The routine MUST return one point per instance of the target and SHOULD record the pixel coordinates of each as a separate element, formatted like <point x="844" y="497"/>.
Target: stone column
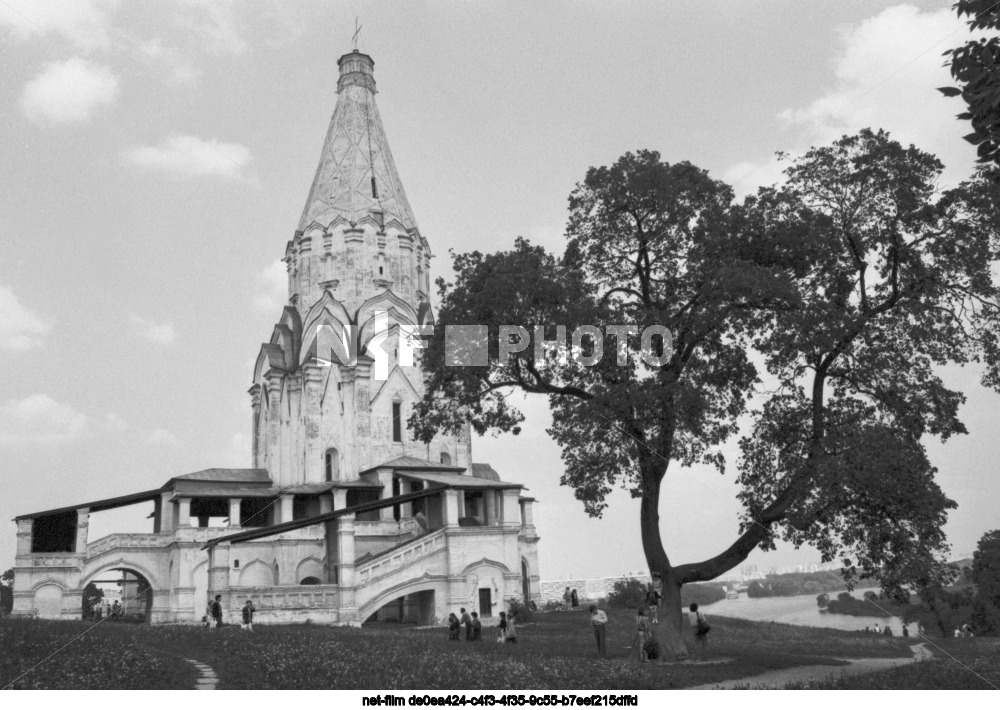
<point x="24" y="537"/>
<point x="405" y="509"/>
<point x="166" y="513"/>
<point x="489" y="508"/>
<point x="255" y="404"/>
<point x="82" y="525"/>
<point x="311" y="395"/>
<point x="218" y="575"/>
<point x="451" y="497"/>
<point x="325" y="503"/>
<point x="510" y="518"/>
<point x="184" y="513"/>
<point x="234" y="512"/>
<point x="287" y="508"/>
<point x="345" y="568"/>
<point x="385" y="476"/>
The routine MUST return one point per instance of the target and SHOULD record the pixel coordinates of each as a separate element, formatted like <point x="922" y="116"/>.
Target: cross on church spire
<point x="357" y="31"/>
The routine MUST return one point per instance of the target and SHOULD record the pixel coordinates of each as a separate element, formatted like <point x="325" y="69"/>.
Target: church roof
<point x="356" y="174"/>
<point x="454" y="480"/>
<point x="485" y="471"/>
<point x="225" y="475"/>
<point x="412" y="463"/>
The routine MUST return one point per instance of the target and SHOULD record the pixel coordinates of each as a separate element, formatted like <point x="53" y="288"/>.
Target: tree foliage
<point x="976" y="67"/>
<point x="7" y="591"/>
<point x="986" y="575"/>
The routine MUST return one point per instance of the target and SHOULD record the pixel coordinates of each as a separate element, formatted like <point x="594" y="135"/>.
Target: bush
<point x="520" y="611"/>
<point x="628" y="593"/>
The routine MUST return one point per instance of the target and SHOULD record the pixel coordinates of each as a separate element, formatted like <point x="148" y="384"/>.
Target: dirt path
<point x="207" y="680"/>
<point x="779" y="678"/>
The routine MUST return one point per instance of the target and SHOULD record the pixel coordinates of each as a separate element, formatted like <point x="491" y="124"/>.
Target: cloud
<point x="151" y="330"/>
<point x="39" y="419"/>
<point x="162" y="437"/>
<point x="69" y="91"/>
<point x="887" y="71"/>
<point x="178" y="64"/>
<point x="193" y="156"/>
<point x="272" y="283"/>
<point x="85" y="23"/>
<point x="20" y="327"/>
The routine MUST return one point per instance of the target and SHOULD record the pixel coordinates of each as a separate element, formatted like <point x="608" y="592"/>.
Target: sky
<point x="155" y="159"/>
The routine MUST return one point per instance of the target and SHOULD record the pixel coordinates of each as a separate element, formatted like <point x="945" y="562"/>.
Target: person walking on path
<point x="599" y="620"/>
<point x="652" y="603"/>
<point x="477" y="627"/>
<point x="248" y="611"/>
<point x="217" y="611"/>
<point x="701" y="628"/>
<point x="574" y="600"/>
<point x="467" y="623"/>
<point x="454" y="627"/>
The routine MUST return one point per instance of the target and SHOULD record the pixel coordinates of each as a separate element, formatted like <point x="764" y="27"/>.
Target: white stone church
<point x="344" y="516"/>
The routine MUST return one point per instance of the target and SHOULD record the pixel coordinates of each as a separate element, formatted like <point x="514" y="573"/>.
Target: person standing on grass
<point x="699" y="625"/>
<point x="502" y="627"/>
<point x="642" y="636"/>
<point x="217" y="611"/>
<point x="511" y="629"/>
<point x="599" y="620"/>
<point x="467" y="623"/>
<point x="652" y="603"/>
<point x="454" y="627"/>
<point x="248" y="611"/>
<point x="567" y="598"/>
<point x="209" y="614"/>
<point x="574" y="600"/>
<point x="477" y="627"/>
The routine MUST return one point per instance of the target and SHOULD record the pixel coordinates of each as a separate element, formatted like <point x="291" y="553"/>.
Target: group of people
<point x="103" y="610"/>
<point x="887" y="631"/>
<point x="473" y="626"/>
<point x="644" y="646"/>
<point x="571" y="601"/>
<point x="213" y="614"/>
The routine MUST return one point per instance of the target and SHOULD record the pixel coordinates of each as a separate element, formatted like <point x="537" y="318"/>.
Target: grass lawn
<point x="555" y="652"/>
<point x="958" y="664"/>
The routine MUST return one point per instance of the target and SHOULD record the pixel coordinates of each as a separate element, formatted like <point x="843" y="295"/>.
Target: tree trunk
<point x="669" y="630"/>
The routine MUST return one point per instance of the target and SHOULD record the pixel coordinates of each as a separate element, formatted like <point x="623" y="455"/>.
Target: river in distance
<point x="800" y="610"/>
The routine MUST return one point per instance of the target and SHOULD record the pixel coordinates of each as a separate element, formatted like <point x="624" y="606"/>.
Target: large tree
<point x="852" y="281"/>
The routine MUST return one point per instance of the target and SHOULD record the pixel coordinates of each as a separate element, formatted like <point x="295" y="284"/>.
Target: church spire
<point x="356" y="176"/>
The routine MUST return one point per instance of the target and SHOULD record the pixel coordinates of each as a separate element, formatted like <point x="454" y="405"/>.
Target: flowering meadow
<point x="556" y="651"/>
<point x="66" y="655"/>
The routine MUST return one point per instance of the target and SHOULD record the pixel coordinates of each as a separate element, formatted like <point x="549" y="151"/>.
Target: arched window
<point x="445" y="458"/>
<point x="310" y="580"/>
<point x="332" y="465"/>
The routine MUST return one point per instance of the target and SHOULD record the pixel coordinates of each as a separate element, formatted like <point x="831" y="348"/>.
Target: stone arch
<point x="445" y="458"/>
<point x="257" y="574"/>
<point x="309" y="567"/>
<point x="137" y="570"/>
<point x="125" y="565"/>
<point x="437" y="584"/>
